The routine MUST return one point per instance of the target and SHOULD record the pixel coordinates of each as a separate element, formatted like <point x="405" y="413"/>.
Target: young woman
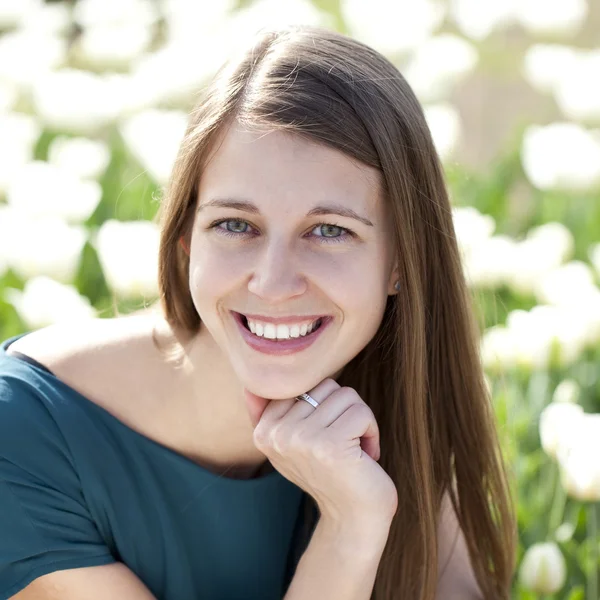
<point x="304" y="414"/>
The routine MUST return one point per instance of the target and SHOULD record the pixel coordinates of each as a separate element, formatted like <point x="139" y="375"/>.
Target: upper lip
<point x="282" y="320"/>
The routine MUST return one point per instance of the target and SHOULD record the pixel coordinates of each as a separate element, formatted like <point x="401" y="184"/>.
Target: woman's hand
<point x="330" y="452"/>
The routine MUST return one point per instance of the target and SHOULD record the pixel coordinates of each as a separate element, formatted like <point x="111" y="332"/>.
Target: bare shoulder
<point x="103" y="359"/>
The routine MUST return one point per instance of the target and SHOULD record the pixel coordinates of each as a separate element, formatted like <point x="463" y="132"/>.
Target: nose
<point x="275" y="277"/>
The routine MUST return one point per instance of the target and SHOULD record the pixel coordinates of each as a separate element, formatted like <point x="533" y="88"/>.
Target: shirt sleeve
<point x="45" y="524"/>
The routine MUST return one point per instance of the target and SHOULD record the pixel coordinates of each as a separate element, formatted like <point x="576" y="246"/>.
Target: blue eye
<point x="239" y="224"/>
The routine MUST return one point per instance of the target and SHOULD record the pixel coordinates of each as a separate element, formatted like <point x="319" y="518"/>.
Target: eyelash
<point x="215" y="225"/>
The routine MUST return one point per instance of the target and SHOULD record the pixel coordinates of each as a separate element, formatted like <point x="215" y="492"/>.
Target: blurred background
<point x="94" y="97"/>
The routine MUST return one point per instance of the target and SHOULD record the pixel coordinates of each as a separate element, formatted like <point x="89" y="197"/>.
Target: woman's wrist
<point x="359" y="538"/>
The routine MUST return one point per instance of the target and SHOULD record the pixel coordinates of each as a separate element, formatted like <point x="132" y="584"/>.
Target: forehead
<point x="264" y="165"/>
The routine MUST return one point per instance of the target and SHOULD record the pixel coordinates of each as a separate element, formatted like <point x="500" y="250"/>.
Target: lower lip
<point x="281" y="347"/>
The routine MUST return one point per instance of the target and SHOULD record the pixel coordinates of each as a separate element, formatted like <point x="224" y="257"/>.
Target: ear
<point x="393" y="278"/>
<point x="184" y="245"/>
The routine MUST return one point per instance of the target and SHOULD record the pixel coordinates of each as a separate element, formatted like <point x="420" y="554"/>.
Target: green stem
<point x="559" y="501"/>
<point x="592" y="528"/>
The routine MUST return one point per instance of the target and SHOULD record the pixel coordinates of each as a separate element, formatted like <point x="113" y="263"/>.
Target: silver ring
<point x="309" y="399"/>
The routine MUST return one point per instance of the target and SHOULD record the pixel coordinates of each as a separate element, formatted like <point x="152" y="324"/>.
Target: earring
<point x="397" y="286"/>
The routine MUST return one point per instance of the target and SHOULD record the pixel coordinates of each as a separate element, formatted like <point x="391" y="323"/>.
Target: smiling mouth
<point x="316" y="327"/>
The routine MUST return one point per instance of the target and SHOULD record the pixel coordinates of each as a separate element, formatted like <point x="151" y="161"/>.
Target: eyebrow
<point x="329" y="209"/>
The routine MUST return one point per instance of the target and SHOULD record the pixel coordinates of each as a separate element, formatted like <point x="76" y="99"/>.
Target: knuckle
<point x="324" y="450"/>
<point x="261" y="437"/>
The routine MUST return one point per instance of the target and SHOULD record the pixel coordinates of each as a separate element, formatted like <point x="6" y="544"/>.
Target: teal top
<point x="80" y="488"/>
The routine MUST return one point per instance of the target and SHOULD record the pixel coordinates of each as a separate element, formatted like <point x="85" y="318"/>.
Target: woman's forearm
<point x="338" y="563"/>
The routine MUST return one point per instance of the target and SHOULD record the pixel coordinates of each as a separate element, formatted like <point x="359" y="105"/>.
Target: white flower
<point x="26" y="55"/>
<point x="561" y="156"/>
<point x="559" y="422"/>
<point x="492" y="263"/>
<point x="40" y="189"/>
<point x="75" y="101"/>
<point x="46" y="246"/>
<point x="184" y="19"/>
<point x="392" y="26"/>
<point x="498" y="348"/>
<point x="444" y="122"/>
<point x="153" y="137"/>
<point x="543" y="568"/>
<point x="14" y="12"/>
<point x="478" y="18"/>
<point x="92" y="13"/>
<point x="567" y="391"/>
<point x="48" y="18"/>
<point x="545" y="65"/>
<point x="557" y="17"/>
<point x="575" y="92"/>
<point x="471" y="227"/>
<point x="578" y="460"/>
<point x="567" y="284"/>
<point x="128" y="253"/>
<point x="20" y="133"/>
<point x="82" y="157"/>
<point x="530" y="338"/>
<point x="439" y="63"/>
<point x="545" y="248"/>
<point x="45" y="302"/>
<point x="112" y="46"/>
<point x="8" y="95"/>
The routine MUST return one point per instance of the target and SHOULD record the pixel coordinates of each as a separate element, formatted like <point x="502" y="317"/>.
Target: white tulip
<point x="40" y="189"/>
<point x="184" y="19"/>
<point x="128" y="253"/>
<point x="543" y="568"/>
<point x="561" y="156"/>
<point x="91" y="13"/>
<point x="392" y="26"/>
<point x="8" y="96"/>
<point x="111" y="46"/>
<point x="28" y="54"/>
<point x="477" y="19"/>
<point x="557" y="17"/>
<point x="438" y="64"/>
<point x="46" y="246"/>
<point x="14" y="12"/>
<point x="567" y="284"/>
<point x="48" y="18"/>
<point x="84" y="158"/>
<point x="19" y="135"/>
<point x="44" y="302"/>
<point x="546" y="65"/>
<point x="472" y="228"/>
<point x="498" y="349"/>
<point x="578" y="460"/>
<point x="153" y="137"/>
<point x="493" y="262"/>
<point x="575" y="92"/>
<point x="559" y="422"/>
<point x="545" y="248"/>
<point x="594" y="253"/>
<point x="567" y="391"/>
<point x="444" y="123"/>
<point x="76" y="101"/>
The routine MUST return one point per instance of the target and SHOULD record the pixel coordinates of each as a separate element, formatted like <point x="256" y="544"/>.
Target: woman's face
<point x="273" y="259"/>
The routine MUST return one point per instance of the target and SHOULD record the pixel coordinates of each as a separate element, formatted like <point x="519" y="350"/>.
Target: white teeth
<point x="280" y="332"/>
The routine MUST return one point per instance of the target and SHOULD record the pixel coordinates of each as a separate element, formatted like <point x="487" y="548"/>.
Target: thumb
<point x="255" y="406"/>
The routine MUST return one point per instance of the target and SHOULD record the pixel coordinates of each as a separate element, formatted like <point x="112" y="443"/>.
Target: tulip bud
<point x="543" y="569"/>
<point x="559" y="422"/>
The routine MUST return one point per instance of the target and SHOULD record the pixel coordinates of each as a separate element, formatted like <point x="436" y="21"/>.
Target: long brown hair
<point x="421" y="374"/>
